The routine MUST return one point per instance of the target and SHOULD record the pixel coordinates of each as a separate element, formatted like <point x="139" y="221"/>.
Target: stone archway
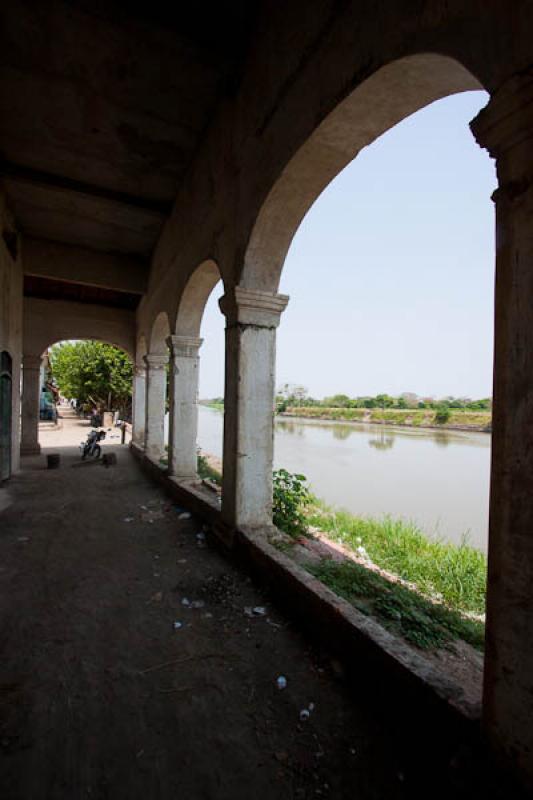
<point x="184" y="370"/>
<point x="156" y="360"/>
<point x="391" y="94"/>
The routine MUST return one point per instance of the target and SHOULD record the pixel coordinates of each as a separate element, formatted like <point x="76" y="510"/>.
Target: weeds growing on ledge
<point x="423" y="623"/>
<point x="291" y="497"/>
<point x="205" y="470"/>
<point x="450" y="580"/>
<point x="454" y="575"/>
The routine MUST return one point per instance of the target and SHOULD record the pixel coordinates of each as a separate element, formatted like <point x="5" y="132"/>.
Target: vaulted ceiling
<point x="102" y="107"/>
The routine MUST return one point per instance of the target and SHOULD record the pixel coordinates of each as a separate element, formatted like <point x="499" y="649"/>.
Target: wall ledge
<point x="367" y="649"/>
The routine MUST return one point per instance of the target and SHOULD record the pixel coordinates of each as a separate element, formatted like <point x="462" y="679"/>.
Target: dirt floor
<point x="130" y="667"/>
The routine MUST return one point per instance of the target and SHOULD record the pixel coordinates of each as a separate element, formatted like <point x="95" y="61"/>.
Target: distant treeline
<point x="297" y="397"/>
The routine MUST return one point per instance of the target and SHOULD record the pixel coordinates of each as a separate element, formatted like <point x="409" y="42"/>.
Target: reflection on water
<point x="442" y="438"/>
<point x="383" y="442"/>
<point x="439" y="479"/>
<point x="294" y="428"/>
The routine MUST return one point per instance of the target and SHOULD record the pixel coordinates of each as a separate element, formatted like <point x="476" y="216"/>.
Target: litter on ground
<point x="256" y="611"/>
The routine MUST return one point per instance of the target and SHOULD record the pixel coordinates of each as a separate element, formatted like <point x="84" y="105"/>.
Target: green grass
<point x="207" y="471"/>
<point x="421" y="622"/>
<point x="218" y="406"/>
<point x="480" y="419"/>
<point x="394" y="416"/>
<point x="454" y="575"/>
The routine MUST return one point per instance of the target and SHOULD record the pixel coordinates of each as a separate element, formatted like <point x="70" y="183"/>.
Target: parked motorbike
<point x="91" y="448"/>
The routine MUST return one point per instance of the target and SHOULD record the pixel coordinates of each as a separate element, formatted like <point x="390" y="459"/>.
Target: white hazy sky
<point x="391" y="273"/>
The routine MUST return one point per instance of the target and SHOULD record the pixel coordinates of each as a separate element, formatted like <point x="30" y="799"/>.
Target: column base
<point x="30" y="449"/>
<point x="185" y="478"/>
<point x="157" y="457"/>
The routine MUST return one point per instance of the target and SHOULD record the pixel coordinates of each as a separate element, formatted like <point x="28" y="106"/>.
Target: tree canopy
<point x="92" y="372"/>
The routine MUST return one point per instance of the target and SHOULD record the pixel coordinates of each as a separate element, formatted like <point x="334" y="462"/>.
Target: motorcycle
<point x="91" y="447"/>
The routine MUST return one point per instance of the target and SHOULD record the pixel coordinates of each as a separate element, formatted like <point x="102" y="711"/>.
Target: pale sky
<point x="391" y="273"/>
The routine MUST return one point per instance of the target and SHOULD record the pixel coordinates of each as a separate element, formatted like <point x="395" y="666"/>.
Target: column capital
<point x="505" y="128"/>
<point x="139" y="370"/>
<point x="31" y="362"/>
<point x="155" y="361"/>
<point x="252" y="307"/>
<point x="184" y="346"/>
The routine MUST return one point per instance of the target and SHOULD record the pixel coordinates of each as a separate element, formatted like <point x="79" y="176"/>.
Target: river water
<point x="438" y="479"/>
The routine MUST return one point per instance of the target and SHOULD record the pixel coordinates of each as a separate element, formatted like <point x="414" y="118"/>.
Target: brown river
<point x="437" y="479"/>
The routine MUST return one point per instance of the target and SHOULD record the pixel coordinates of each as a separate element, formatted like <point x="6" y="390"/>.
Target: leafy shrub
<point x="422" y="622"/>
<point x="205" y="470"/>
<point x="291" y="496"/>
<point x="442" y="415"/>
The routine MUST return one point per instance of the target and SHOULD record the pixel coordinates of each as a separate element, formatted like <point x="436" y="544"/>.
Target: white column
<point x="183" y="422"/>
<point x="251" y="321"/>
<point x="156" y="390"/>
<point x="30" y="405"/>
<point x="139" y="404"/>
<point x="505" y="128"/>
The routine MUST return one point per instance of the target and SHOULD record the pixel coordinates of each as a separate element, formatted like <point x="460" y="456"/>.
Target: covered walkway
<point x="100" y="696"/>
<point x="96" y="564"/>
<point x="147" y="153"/>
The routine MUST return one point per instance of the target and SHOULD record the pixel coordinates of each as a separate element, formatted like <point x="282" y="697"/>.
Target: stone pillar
<point x="139" y="404"/>
<point x="251" y="321"/>
<point x="505" y="129"/>
<point x="156" y="390"/>
<point x="29" y="444"/>
<point x="183" y="422"/>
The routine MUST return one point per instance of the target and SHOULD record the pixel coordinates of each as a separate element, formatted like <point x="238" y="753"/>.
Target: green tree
<point x="442" y="414"/>
<point x="384" y="400"/>
<point x="93" y="372"/>
<point x="337" y="401"/>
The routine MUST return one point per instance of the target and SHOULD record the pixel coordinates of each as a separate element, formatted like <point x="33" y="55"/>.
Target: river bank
<point x="438" y="479"/>
<point x="428" y="592"/>
<point x="442" y="572"/>
<point x="478" y="421"/>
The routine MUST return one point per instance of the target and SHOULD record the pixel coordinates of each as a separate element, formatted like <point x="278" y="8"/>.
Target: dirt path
<point x="102" y="697"/>
<point x="70" y="430"/>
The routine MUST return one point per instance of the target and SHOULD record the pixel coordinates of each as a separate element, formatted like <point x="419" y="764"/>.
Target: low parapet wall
<point x="373" y="658"/>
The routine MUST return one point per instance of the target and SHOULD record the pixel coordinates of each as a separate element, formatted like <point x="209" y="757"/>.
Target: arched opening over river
<point x="390" y="275"/>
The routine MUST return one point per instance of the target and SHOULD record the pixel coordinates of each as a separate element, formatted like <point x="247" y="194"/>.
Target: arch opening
<point x="160" y="331"/>
<point x="199" y="354"/>
<point x="80" y="384"/>
<point x="393" y="93"/>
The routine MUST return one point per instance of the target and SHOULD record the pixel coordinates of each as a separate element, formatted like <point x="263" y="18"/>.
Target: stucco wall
<point x="77" y="264"/>
<point x="305" y="59"/>
<point x="11" y="318"/>
<point x="49" y="321"/>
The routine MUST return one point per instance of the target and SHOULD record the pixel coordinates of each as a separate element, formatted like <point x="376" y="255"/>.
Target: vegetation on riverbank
<point x="441" y="586"/>
<point x="206" y="471"/>
<point x="430" y="416"/>
<point x="422" y="418"/>
<point x="428" y="591"/>
<point x="420" y="621"/>
<point x="448" y="573"/>
<point x="217" y="403"/>
<point x="290" y="395"/>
